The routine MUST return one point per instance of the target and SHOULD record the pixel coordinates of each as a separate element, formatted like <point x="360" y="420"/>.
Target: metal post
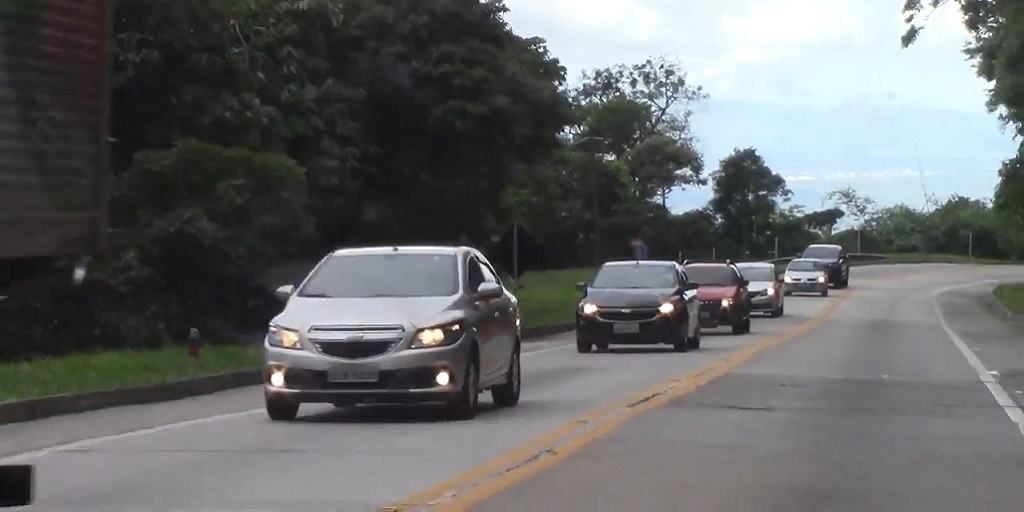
<point x="970" y="245"/>
<point x="714" y="255"/>
<point x="597" y="229"/>
<point x="858" y="241"/>
<point x="776" y="247"/>
<point x="515" y="249"/>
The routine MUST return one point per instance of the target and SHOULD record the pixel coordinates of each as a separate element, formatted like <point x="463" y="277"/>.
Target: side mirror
<point x="744" y="282"/>
<point x="690" y="286"/>
<point x="581" y="286"/>
<point x="285" y="292"/>
<point x="488" y="291"/>
<point x="17" y="485"/>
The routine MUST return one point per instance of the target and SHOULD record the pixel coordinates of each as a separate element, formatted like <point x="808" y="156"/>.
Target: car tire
<point x="787" y="294"/>
<point x="583" y="347"/>
<point x="824" y="293"/>
<point x="464" y="406"/>
<point x="746" y="324"/>
<point x="695" y="340"/>
<point x="682" y="342"/>
<point x="779" y="312"/>
<point x="737" y="327"/>
<point x="507" y="394"/>
<point x="601" y="347"/>
<point x="279" y="409"/>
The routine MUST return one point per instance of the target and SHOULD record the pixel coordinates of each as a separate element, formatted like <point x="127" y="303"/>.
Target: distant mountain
<point x="878" y="149"/>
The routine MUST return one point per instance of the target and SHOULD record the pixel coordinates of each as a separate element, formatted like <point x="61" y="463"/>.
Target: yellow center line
<point x="507" y="469"/>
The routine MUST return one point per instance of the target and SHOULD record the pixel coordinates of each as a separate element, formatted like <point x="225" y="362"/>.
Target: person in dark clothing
<point x="639" y="247"/>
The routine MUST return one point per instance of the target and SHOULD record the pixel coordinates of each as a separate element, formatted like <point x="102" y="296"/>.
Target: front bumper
<point x="714" y="314"/>
<point x="806" y="286"/>
<point x="765" y="302"/>
<point x="638" y="326"/>
<point x="405" y="376"/>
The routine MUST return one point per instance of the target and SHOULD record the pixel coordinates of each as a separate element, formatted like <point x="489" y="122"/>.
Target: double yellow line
<point x="489" y="479"/>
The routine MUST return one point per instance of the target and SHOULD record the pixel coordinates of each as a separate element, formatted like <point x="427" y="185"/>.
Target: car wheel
<point x="787" y="294"/>
<point x="824" y="293"/>
<point x="601" y="347"/>
<point x="507" y="394"/>
<point x="695" y="340"/>
<point x="779" y="312"/>
<point x="746" y="324"/>
<point x="583" y="347"/>
<point x="281" y="410"/>
<point x="464" y="406"/>
<point x="737" y="327"/>
<point x="681" y="343"/>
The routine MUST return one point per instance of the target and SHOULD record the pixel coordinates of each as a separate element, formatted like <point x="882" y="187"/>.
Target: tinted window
<point x="385" y="275"/>
<point x="714" y="275"/>
<point x="804" y="266"/>
<point x="820" y="252"/>
<point x="758" y="273"/>
<point x="636" y="276"/>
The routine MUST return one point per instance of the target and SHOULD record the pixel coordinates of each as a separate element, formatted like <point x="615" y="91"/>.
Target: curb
<point x="58" y="405"/>
<point x="990" y="302"/>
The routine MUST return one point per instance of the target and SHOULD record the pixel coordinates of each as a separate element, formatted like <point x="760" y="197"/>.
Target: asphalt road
<point x="859" y="401"/>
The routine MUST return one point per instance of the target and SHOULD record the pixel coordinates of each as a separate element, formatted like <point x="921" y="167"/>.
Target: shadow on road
<point x="392" y="414"/>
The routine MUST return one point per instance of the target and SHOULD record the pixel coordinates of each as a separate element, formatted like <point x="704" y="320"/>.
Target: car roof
<point x="754" y="264"/>
<point x="812" y="260"/>
<point x="407" y="249"/>
<point x="619" y="263"/>
<point x="830" y="246"/>
<point x="710" y="264"/>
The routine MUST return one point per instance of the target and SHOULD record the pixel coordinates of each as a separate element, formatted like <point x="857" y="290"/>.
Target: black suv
<point x="835" y="261"/>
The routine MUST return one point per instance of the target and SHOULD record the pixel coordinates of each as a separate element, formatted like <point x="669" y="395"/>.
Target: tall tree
<point x="855" y="205"/>
<point x="641" y="112"/>
<point x="748" y="194"/>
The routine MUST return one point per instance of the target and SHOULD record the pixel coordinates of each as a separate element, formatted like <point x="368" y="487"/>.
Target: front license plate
<point x="626" y="328"/>
<point x="704" y="315"/>
<point x="350" y="374"/>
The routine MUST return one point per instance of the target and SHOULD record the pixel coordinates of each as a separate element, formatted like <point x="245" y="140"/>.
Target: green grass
<point x="99" y="371"/>
<point x="1011" y="296"/>
<point x="550" y="297"/>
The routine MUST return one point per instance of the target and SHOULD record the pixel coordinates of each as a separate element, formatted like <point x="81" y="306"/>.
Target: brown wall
<point x="54" y="69"/>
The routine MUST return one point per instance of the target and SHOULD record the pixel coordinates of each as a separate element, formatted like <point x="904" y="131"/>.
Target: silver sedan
<point x="390" y="325"/>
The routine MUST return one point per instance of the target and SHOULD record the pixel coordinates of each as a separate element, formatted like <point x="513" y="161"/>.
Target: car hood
<point x="804" y="274"/>
<point x="627" y="297"/>
<point x="302" y="313"/>
<point x="712" y="292"/>
<point x="759" y="286"/>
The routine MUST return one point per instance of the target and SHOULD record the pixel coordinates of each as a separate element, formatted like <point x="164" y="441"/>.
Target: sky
<point x="821" y="88"/>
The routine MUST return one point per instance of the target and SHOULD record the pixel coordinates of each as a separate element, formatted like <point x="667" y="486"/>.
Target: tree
<point x="641" y="113"/>
<point x="824" y="220"/>
<point x="747" y="196"/>
<point x="852" y="203"/>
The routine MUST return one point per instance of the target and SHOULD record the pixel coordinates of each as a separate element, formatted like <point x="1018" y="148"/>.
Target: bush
<point x="197" y="224"/>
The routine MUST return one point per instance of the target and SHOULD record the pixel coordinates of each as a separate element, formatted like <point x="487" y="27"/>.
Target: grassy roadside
<point x="98" y="371"/>
<point x="1011" y="296"/>
<point x="546" y="298"/>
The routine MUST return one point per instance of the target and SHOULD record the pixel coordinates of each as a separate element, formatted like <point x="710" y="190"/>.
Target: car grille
<point x="355" y="341"/>
<point x="354" y="349"/>
<point x="627" y="314"/>
<point x="759" y="293"/>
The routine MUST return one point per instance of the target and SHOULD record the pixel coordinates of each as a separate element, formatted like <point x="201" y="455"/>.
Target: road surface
<point x="865" y="400"/>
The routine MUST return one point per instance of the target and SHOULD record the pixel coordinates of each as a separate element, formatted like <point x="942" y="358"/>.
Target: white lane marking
<point x="984" y="375"/>
<point x="85" y="443"/>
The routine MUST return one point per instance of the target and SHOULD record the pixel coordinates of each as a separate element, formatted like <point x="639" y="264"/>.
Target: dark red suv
<point x="723" y="295"/>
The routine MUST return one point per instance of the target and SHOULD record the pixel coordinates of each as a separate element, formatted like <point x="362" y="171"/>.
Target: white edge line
<point x="85" y="443"/>
<point x="1009" y="406"/>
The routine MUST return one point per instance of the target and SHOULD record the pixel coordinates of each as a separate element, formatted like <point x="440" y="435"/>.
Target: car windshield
<point x="384" y="275"/>
<point x="713" y="275"/>
<point x="804" y="266"/>
<point x="822" y="252"/>
<point x="635" y="276"/>
<point x="758" y="273"/>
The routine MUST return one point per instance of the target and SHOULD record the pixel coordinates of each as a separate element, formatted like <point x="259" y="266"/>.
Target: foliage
<point x="747" y="198"/>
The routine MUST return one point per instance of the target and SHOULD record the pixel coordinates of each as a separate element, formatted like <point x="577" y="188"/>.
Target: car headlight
<point x="666" y="308"/>
<point x="770" y="291"/>
<point x="439" y="336"/>
<point x="726" y="303"/>
<point x="821" y="279"/>
<point x="278" y="336"/>
<point x="588" y="308"/>
<point x="787" y="279"/>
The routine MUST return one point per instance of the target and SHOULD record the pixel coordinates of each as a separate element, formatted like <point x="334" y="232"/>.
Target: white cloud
<point x="883" y="176"/>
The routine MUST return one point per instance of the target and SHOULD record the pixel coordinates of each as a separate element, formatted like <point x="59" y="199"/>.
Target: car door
<point x="485" y="322"/>
<point x="508" y="328"/>
<point x="494" y="337"/>
<point x="689" y="299"/>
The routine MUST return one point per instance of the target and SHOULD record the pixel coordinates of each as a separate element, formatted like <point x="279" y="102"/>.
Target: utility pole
<point x="858" y="240"/>
<point x="970" y="245"/>
<point x="515" y="249"/>
<point x="776" y="247"/>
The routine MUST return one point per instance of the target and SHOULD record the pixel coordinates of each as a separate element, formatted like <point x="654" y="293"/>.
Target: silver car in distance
<point x="394" y="325"/>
